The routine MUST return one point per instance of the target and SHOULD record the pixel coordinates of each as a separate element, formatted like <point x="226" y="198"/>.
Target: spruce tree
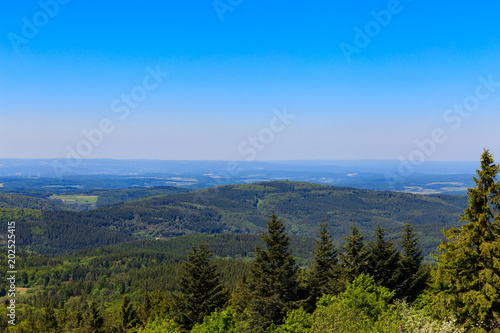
<point x="49" y="320"/>
<point x="272" y="286"/>
<point x="3" y="323"/>
<point x="161" y="305"/>
<point x="93" y="321"/>
<point x="145" y="308"/>
<point x="467" y="282"/>
<point x="324" y="274"/>
<point x="354" y="259"/>
<point x="128" y="317"/>
<point x="202" y="290"/>
<point x="412" y="274"/>
<point x="383" y="259"/>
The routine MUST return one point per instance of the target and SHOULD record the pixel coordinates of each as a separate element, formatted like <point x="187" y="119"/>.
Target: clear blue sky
<point x="225" y="78"/>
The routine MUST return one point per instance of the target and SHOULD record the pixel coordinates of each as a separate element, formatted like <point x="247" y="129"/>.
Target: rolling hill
<point x="245" y="209"/>
<point x="28" y="202"/>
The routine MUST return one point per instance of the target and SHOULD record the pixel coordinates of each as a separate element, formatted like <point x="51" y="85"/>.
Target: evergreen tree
<point x="93" y="321"/>
<point x="354" y="259"/>
<point x="128" y="317"/>
<point x="146" y="307"/>
<point x="383" y="259"/>
<point x="161" y="305"/>
<point x="3" y="323"/>
<point x="202" y="290"/>
<point x="273" y="287"/>
<point x="30" y="324"/>
<point x="468" y="275"/>
<point x="412" y="274"/>
<point x="49" y="320"/>
<point x="324" y="274"/>
<point x="240" y="297"/>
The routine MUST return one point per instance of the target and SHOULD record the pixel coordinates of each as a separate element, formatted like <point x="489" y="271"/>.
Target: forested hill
<point x="302" y="206"/>
<point x="28" y="202"/>
<point x="242" y="209"/>
<point x="110" y="197"/>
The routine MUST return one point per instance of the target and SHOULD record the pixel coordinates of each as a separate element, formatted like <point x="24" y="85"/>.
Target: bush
<point x="165" y="325"/>
<point x="415" y="321"/>
<point x="296" y="321"/>
<point x="218" y="322"/>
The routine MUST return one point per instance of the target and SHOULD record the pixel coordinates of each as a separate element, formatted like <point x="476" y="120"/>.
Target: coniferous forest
<point x="381" y="278"/>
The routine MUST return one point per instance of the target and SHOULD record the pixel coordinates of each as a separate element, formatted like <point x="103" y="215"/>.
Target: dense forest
<point x="371" y="277"/>
<point x="242" y="209"/>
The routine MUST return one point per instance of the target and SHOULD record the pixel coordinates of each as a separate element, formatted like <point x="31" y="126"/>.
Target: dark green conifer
<point x="93" y="319"/>
<point x="467" y="282"/>
<point x="354" y="259"/>
<point x="128" y="317"/>
<point x="383" y="259"/>
<point x="145" y="307"/>
<point x="325" y="271"/>
<point x="412" y="274"/>
<point x="201" y="287"/>
<point x="49" y="321"/>
<point x="273" y="286"/>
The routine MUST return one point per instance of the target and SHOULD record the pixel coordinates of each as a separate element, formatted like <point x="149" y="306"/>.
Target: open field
<point x="77" y="200"/>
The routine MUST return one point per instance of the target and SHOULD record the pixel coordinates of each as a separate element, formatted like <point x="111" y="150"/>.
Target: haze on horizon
<point x="249" y="80"/>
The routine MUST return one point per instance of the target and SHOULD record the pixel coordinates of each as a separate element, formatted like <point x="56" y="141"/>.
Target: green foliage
<point x="412" y="274"/>
<point x="28" y="202"/>
<point x="383" y="259"/>
<point x="93" y="319"/>
<point x="161" y="325"/>
<point x="272" y="288"/>
<point x="271" y="291"/>
<point x="237" y="246"/>
<point x="354" y="258"/>
<point x="324" y="274"/>
<point x="233" y="209"/>
<point x="363" y="307"/>
<point x="48" y="321"/>
<point x="222" y="321"/>
<point x="467" y="283"/>
<point x="128" y="317"/>
<point x="364" y="295"/>
<point x="110" y="197"/>
<point x="296" y="321"/>
<point x="415" y="321"/>
<point x="201" y="287"/>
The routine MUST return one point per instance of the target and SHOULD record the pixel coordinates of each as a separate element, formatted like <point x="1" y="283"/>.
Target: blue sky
<point x="234" y="65"/>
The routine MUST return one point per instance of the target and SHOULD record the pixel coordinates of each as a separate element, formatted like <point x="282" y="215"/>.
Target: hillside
<point x="110" y="197"/>
<point x="28" y="202"/>
<point x="235" y="246"/>
<point x="245" y="209"/>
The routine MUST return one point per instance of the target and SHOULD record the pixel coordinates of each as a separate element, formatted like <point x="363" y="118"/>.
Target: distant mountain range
<point x="57" y="174"/>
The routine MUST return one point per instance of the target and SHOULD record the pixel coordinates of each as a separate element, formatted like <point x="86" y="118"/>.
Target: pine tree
<point x="145" y="308"/>
<point x="3" y="323"/>
<point x="49" y="320"/>
<point x="468" y="276"/>
<point x="273" y="286"/>
<point x="383" y="259"/>
<point x="239" y="297"/>
<point x="93" y="321"/>
<point x="354" y="259"/>
<point x="201" y="287"/>
<point x="161" y="305"/>
<point x="325" y="272"/>
<point x="128" y="317"/>
<point x="412" y="274"/>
